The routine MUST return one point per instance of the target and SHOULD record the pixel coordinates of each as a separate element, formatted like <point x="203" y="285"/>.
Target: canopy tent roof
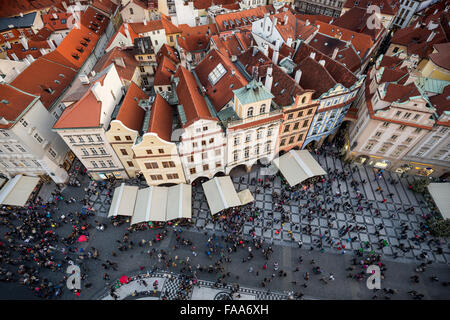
<point x="245" y="196"/>
<point x="297" y="166"/>
<point x="221" y="194"/>
<point x="123" y="201"/>
<point x="440" y="192"/>
<point x="17" y="190"/>
<point x="163" y="203"/>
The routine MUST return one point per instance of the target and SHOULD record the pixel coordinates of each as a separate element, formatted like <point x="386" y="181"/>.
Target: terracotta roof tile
<point x="313" y="18"/>
<point x="388" y="7"/>
<point x="194" y="104"/>
<point x="152" y="25"/>
<point x="442" y="57"/>
<point x="400" y="93"/>
<point x="168" y="52"/>
<point x="258" y="12"/>
<point x="169" y="27"/>
<point x="195" y="38"/>
<point x="116" y="56"/>
<point x="12" y="103"/>
<point x="133" y="35"/>
<point x="60" y="23"/>
<point x="165" y="70"/>
<point x="130" y="113"/>
<point x="33" y="49"/>
<point x="355" y="20"/>
<point x="442" y="101"/>
<point x="221" y="92"/>
<point x="205" y="4"/>
<point x="12" y="8"/>
<point x="161" y="118"/>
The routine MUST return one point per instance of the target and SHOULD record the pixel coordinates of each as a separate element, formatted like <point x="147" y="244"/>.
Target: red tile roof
<point x="133" y="35"/>
<point x="165" y="70"/>
<point x="442" y="57"/>
<point x="125" y="73"/>
<point x="222" y="91"/>
<point x="169" y="52"/>
<point x="107" y="6"/>
<point x="12" y="8"/>
<point x="42" y="34"/>
<point x="355" y="20"/>
<point x="258" y="12"/>
<point x="205" y="4"/>
<point x="388" y="7"/>
<point x="194" y="104"/>
<point x="390" y="62"/>
<point x="130" y="113"/>
<point x="43" y="78"/>
<point x="33" y="49"/>
<point x="12" y="103"/>
<point x="161" y="118"/>
<point x="60" y="23"/>
<point x="400" y="93"/>
<point x="442" y="103"/>
<point x="152" y="25"/>
<point x="195" y="38"/>
<point x="313" y="18"/>
<point x="169" y="27"/>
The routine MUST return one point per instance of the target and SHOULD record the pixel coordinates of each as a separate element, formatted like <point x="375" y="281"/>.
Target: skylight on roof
<point x="216" y="74"/>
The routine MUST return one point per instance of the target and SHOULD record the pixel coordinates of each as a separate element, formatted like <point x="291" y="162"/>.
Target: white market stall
<point x="123" y="201"/>
<point x="163" y="204"/>
<point x="221" y="194"/>
<point x="298" y="165"/>
<point x="440" y="192"/>
<point x="17" y="191"/>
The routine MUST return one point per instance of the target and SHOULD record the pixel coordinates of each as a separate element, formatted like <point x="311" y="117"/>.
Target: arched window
<point x="303" y="100"/>
<point x="250" y="112"/>
<point x="262" y="109"/>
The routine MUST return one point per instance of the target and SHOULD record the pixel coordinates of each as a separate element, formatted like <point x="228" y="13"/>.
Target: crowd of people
<point x="33" y="243"/>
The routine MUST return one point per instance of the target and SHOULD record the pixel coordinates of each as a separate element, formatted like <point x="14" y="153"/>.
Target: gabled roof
<point x="130" y="113"/>
<point x="286" y="24"/>
<point x="205" y="4"/>
<point x="165" y="70"/>
<point x="33" y="49"/>
<point x="254" y="91"/>
<point x="315" y="76"/>
<point x="168" y="52"/>
<point x="442" y="102"/>
<point x="46" y="79"/>
<point x="12" y="103"/>
<point x="152" y="25"/>
<point x="395" y="75"/>
<point x="125" y="73"/>
<point x="10" y="8"/>
<point x="189" y="97"/>
<point x="105" y="6"/>
<point x="355" y="20"/>
<point x="442" y="57"/>
<point x="26" y="21"/>
<point x="169" y="27"/>
<point x="161" y="118"/>
<point x="43" y="34"/>
<point x="121" y="31"/>
<point x="195" y="38"/>
<point x="400" y="93"/>
<point x="60" y="23"/>
<point x="314" y="17"/>
<point x="223" y="19"/>
<point x="221" y="92"/>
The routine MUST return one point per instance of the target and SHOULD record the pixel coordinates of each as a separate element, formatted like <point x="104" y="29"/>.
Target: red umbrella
<point x="82" y="238"/>
<point x="123" y="279"/>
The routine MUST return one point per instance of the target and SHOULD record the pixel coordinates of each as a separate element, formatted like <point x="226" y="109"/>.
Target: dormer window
<point x="80" y="49"/>
<point x="76" y="56"/>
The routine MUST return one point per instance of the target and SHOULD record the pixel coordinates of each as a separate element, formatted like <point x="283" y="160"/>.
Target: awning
<point x="297" y="166"/>
<point x="123" y="201"/>
<point x="163" y="204"/>
<point x="17" y="191"/>
<point x="221" y="194"/>
<point x="245" y="196"/>
<point x="440" y="192"/>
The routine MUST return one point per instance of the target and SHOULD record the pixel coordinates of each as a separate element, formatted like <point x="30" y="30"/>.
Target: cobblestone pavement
<point x="168" y="288"/>
<point x="268" y="227"/>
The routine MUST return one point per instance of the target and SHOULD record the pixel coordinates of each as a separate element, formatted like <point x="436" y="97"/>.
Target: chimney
<point x="51" y="44"/>
<point x="298" y="75"/>
<point x="21" y="15"/>
<point x="255" y="51"/>
<point x="55" y="16"/>
<point x="275" y="57"/>
<point x="145" y="22"/>
<point x="289" y="42"/>
<point x="269" y="79"/>
<point x="24" y="42"/>
<point x="84" y="79"/>
<point x="120" y="62"/>
<point x="322" y="63"/>
<point x="30" y="58"/>
<point x="42" y="50"/>
<point x="312" y="55"/>
<point x="307" y="22"/>
<point x="286" y="19"/>
<point x="335" y="52"/>
<point x="266" y="49"/>
<point x="127" y="31"/>
<point x="431" y="36"/>
<point x="277" y="44"/>
<point x="95" y="89"/>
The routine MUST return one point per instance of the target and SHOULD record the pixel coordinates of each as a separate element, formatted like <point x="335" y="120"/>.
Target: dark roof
<point x="17" y="22"/>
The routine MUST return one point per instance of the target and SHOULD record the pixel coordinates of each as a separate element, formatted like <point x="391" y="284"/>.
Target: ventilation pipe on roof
<point x="266" y="49"/>
<point x="24" y="42"/>
<point x="286" y="19"/>
<point x="55" y="16"/>
<point x="145" y="22"/>
<point x="255" y="51"/>
<point x="43" y="51"/>
<point x="274" y="24"/>
<point x="307" y="22"/>
<point x="127" y="31"/>
<point x="289" y="42"/>
<point x="275" y="57"/>
<point x="8" y="45"/>
<point x="95" y="90"/>
<point x="269" y="79"/>
<point x="335" y="52"/>
<point x="312" y="55"/>
<point x="51" y="44"/>
<point x="84" y="79"/>
<point x="277" y="44"/>
<point x="64" y="4"/>
<point x="298" y="75"/>
<point x="322" y="63"/>
<point x="431" y="36"/>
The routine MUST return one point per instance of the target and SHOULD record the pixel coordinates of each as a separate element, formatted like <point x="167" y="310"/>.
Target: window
<point x="310" y="111"/>
<point x="236" y="141"/>
<point x="172" y="176"/>
<point x="305" y="124"/>
<point x="300" y="137"/>
<point x="117" y="138"/>
<point x="18" y="146"/>
<point x="190" y="158"/>
<point x="235" y="155"/>
<point x="205" y="167"/>
<point x="398" y="113"/>
<point x="402" y="127"/>
<point x="416" y="117"/>
<point x="130" y="163"/>
<point x="161" y="151"/>
<point x="94" y="164"/>
<point x="203" y="143"/>
<point x="192" y="171"/>
<point x="93" y="151"/>
<point x="156" y="177"/>
<point x="194" y="144"/>
<point x="102" y="150"/>
<point x="24" y="123"/>
<point x="217" y="152"/>
<point x="296" y="126"/>
<point x="217" y="73"/>
<point x="248" y="138"/>
<point x="290" y="116"/>
<point x="71" y="140"/>
<point x="286" y="128"/>
<point x="407" y="115"/>
<point x="378" y="134"/>
<point x="418" y="130"/>
<point x="408" y="140"/>
<point x="204" y="155"/>
<point x="369" y="146"/>
<point x="38" y="138"/>
<point x="250" y="112"/>
<point x="124" y="152"/>
<point x="84" y="151"/>
<point x="262" y="109"/>
<point x="9" y="148"/>
<point x="151" y="165"/>
<point x="385" y="124"/>
<point x="131" y="11"/>
<point x="90" y="139"/>
<point x="128" y="138"/>
<point x="291" y="139"/>
<point x="218" y="164"/>
<point x="99" y="138"/>
<point x="269" y="132"/>
<point x="205" y="128"/>
<point x="149" y="151"/>
<point x="300" y="114"/>
<point x="268" y="146"/>
<point x="246" y="152"/>
<point x="283" y="142"/>
<point x="394" y="137"/>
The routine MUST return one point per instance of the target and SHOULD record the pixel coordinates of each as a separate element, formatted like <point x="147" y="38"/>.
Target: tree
<point x="440" y="227"/>
<point x="420" y="185"/>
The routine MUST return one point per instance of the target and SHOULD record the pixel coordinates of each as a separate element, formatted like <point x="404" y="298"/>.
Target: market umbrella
<point x="82" y="238"/>
<point x="123" y="279"/>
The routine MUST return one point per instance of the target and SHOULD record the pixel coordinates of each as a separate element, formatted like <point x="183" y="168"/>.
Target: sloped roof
<point x="442" y="57"/>
<point x="161" y="118"/>
<point x="10" y="8"/>
<point x="254" y="91"/>
<point x="165" y="70"/>
<point x="221" y="92"/>
<point x="169" y="52"/>
<point x="286" y="24"/>
<point x="169" y="27"/>
<point x="60" y="23"/>
<point x="314" y="17"/>
<point x="400" y="93"/>
<point x="442" y="102"/>
<point x="121" y="30"/>
<point x="258" y="12"/>
<point x="33" y="49"/>
<point x="355" y="20"/>
<point x="205" y="4"/>
<point x="127" y="55"/>
<point x="26" y="21"/>
<point x="195" y="38"/>
<point x="388" y="7"/>
<point x="12" y="103"/>
<point x="152" y="25"/>
<point x="189" y="97"/>
<point x="130" y="113"/>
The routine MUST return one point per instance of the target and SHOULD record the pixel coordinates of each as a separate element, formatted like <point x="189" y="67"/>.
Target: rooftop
<point x="254" y="91"/>
<point x="130" y="113"/>
<point x="161" y="118"/>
